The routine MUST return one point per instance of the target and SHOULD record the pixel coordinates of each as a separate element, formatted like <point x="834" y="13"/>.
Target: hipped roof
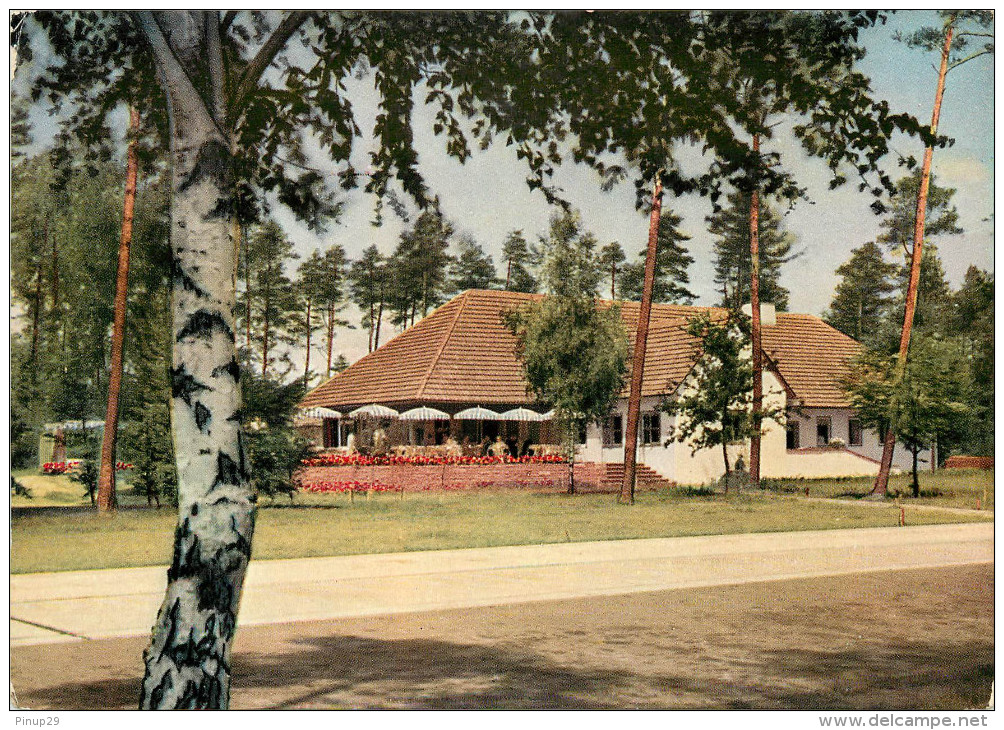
<point x="462" y="354"/>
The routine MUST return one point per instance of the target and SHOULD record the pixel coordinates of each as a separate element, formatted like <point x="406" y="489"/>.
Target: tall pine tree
<point x="671" y="263"/>
<point x="369" y="287"/>
<point x="519" y="263"/>
<point x="471" y="268"/>
<point x="420" y="268"/>
<point x="731" y="226"/>
<point x="861" y="301"/>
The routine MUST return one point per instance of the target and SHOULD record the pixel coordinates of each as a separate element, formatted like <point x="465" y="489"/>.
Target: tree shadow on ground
<point x="362" y="672"/>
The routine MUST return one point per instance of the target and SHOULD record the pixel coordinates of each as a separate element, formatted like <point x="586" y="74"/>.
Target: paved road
<point x="77" y="606"/>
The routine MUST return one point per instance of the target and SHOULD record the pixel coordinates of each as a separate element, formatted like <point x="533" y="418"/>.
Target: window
<point x="792" y="436"/>
<point x="822" y="430"/>
<point x="854" y="432"/>
<point x="613" y="433"/>
<point x="651" y="428"/>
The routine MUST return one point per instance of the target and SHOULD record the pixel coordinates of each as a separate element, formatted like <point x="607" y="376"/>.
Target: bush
<point x="88" y="476"/>
<point x="275" y="453"/>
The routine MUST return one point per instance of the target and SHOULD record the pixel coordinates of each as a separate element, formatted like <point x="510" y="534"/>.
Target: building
<point x="462" y="355"/>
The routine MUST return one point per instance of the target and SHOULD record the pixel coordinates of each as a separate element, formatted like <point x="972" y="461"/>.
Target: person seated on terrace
<point x="498" y="448"/>
<point x="379" y="441"/>
<point x="452" y="448"/>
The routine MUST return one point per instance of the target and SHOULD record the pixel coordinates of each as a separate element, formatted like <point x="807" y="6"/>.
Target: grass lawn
<point x="332" y="525"/>
<point x="49" y="490"/>
<point x="943" y="488"/>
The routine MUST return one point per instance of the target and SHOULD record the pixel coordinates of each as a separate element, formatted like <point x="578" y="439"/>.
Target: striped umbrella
<point x="424" y="413"/>
<point x="374" y="410"/>
<point x="476" y="414"/>
<point x="319" y="412"/>
<point x="521" y="414"/>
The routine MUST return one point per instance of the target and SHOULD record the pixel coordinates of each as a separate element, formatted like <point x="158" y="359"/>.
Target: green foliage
<point x="269" y="401"/>
<point x="574" y="357"/>
<point x="519" y="263"/>
<point x="268" y="306"/>
<point x="471" y="268"/>
<point x="370" y="285"/>
<point x="419" y="268"/>
<point x="87" y="475"/>
<point x="145" y="442"/>
<point x="972" y="320"/>
<point x="66" y="220"/>
<point x="940" y="219"/>
<point x="275" y="454"/>
<point x="973" y="35"/>
<point x="861" y="300"/>
<point x="570" y="268"/>
<point x="671" y="263"/>
<point x="274" y="448"/>
<point x="610" y="262"/>
<point x="926" y="401"/>
<point x="320" y="288"/>
<point x="733" y="263"/>
<point x="713" y="406"/>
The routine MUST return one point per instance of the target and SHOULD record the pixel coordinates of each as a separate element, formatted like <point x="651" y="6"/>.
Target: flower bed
<point x="356" y="486"/>
<point x="61" y="467"/>
<point x="387" y="460"/>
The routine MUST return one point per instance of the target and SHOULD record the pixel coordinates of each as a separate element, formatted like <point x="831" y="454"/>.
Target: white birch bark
<point x="188" y="661"/>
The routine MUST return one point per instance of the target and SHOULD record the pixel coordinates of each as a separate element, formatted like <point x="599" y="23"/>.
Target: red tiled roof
<point x="462" y="354"/>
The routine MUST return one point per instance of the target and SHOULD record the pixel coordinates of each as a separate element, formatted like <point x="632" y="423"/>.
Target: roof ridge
<point x="442" y="345"/>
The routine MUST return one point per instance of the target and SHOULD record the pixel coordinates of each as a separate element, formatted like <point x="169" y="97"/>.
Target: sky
<point x="488" y="197"/>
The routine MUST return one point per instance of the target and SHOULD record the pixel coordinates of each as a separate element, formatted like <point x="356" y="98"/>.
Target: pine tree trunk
<point x="55" y="274"/>
<point x="372" y="327"/>
<point x="376" y="337"/>
<point x="725" y="458"/>
<point x="106" y="477"/>
<point x="916" y="479"/>
<point x="331" y="334"/>
<point x="188" y="661"/>
<point x="306" y="364"/>
<point x="36" y="314"/>
<point x="640" y="345"/>
<point x="247" y="301"/>
<point x="508" y="273"/>
<point x="266" y="308"/>
<point x="755" y="325"/>
<point x="882" y="480"/>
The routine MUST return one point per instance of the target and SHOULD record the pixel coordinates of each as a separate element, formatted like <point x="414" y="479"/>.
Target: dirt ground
<point x="919" y="639"/>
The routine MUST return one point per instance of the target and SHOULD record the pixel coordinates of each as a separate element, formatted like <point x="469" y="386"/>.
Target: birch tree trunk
<point x="188" y="661"/>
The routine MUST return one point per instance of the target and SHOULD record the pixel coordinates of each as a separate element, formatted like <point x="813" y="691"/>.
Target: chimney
<point x="768" y="314"/>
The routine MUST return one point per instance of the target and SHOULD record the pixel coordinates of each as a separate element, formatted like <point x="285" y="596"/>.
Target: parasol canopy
<point x="549" y="416"/>
<point x="424" y="413"/>
<point x="374" y="410"/>
<point x="319" y="412"/>
<point x="521" y="414"/>
<point x="74" y="425"/>
<point x="476" y="414"/>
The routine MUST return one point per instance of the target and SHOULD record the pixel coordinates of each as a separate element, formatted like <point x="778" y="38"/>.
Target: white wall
<point x="677" y="463"/>
<point x="871" y="444"/>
